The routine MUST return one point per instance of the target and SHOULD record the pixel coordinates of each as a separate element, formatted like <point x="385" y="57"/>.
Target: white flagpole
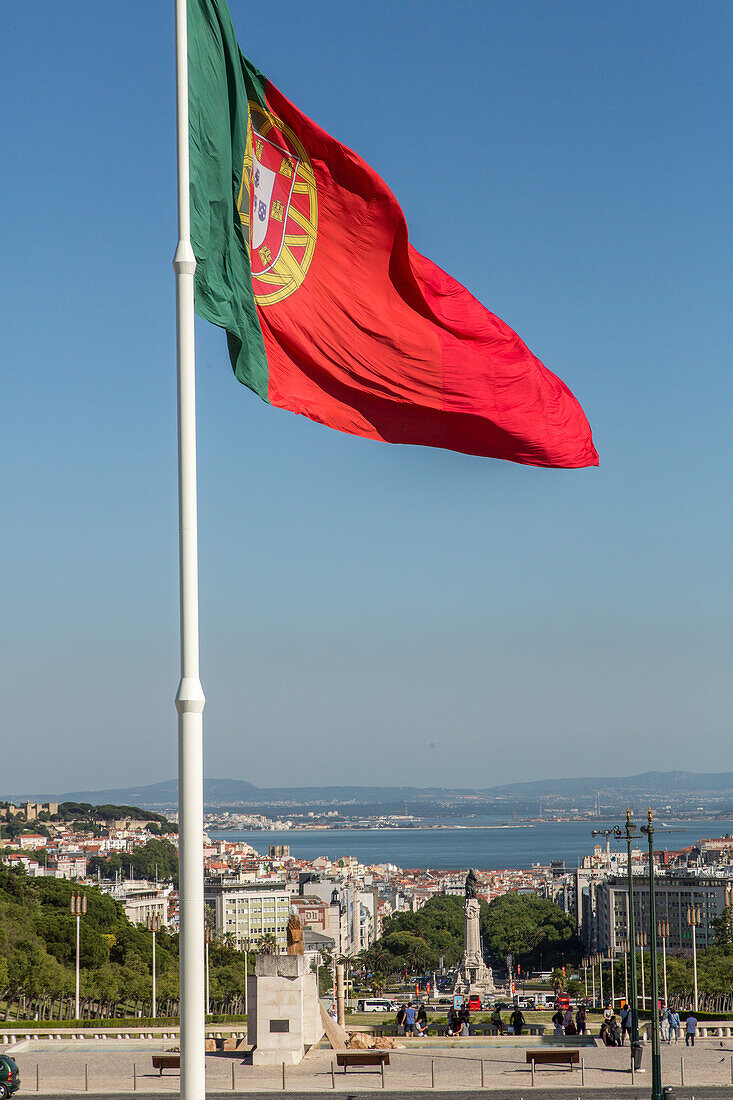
<point x="190" y="696"/>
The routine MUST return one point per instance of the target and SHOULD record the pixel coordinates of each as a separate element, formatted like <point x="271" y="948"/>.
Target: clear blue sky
<point x="373" y="613"/>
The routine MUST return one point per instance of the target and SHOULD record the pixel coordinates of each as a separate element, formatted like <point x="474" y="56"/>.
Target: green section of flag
<point x="220" y="83"/>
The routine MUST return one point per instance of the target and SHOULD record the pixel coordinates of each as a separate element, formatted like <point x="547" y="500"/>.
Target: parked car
<point x="9" y="1076"/>
<point x="372" y="1004"/>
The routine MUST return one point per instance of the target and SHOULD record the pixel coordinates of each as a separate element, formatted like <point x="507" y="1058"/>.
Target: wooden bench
<point x="166" y="1061"/>
<point x="567" y="1058"/>
<point x="348" y="1058"/>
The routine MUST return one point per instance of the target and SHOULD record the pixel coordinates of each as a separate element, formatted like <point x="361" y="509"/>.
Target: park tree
<point x="535" y="931"/>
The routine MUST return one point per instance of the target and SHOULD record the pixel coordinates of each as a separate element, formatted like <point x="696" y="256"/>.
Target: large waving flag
<point x="303" y="257"/>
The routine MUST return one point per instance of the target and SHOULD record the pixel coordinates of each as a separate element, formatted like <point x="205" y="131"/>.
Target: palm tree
<point x="346" y="960"/>
<point x="558" y="980"/>
<point x="417" y="954"/>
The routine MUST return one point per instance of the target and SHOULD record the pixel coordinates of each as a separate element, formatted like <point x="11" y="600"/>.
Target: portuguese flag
<point x="303" y="258"/>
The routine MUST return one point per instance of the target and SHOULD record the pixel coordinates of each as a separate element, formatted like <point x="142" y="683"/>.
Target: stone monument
<point x="284" y="1017"/>
<point x="473" y="974"/>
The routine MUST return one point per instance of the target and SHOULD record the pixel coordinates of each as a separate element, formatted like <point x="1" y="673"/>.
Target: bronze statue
<point x="471" y="885"/>
<point x="295" y="935"/>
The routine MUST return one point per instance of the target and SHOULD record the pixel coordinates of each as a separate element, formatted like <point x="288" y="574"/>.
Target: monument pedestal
<point x="283" y="1017"/>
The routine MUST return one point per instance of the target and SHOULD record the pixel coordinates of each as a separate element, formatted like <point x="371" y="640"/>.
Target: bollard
<point x="582" y="1070"/>
<point x="333" y="1077"/>
<point x="381" y="1066"/>
<point x="682" y="1071"/>
<point x="38" y="1076"/>
<point x="632" y="1069"/>
<point x="432" y="1071"/>
<point x="134" y="1076"/>
<point x="233" y="1084"/>
<point x="482" y="1073"/>
<point x="283" y="1077"/>
<point x="86" y="1077"/>
<point x="531" y="1070"/>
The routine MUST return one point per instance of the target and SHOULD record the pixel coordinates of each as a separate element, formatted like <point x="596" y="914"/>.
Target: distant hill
<point x="658" y="782"/>
<point x="226" y="791"/>
<point x="233" y="791"/>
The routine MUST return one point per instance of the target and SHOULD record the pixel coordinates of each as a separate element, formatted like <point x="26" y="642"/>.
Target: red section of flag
<point x="378" y="341"/>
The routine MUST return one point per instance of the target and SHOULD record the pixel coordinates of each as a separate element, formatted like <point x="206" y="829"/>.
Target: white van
<point x="376" y="1004"/>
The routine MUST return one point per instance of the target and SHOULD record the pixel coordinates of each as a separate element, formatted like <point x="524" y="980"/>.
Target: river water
<point x="494" y="845"/>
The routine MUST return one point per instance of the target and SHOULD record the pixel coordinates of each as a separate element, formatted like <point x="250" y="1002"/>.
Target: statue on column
<point x="473" y="975"/>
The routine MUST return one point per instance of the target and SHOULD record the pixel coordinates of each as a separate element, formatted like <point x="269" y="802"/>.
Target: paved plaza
<point x="110" y="1071"/>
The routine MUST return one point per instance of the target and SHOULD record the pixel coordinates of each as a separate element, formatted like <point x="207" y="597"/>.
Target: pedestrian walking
<point x="673" y="1020"/>
<point x="690" y="1029"/>
<point x="409" y="1020"/>
<point x="625" y="1022"/>
<point x="664" y="1023"/>
<point x="517" y="1020"/>
<point x="581" y="1021"/>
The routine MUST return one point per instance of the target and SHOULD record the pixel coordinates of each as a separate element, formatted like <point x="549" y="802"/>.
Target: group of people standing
<point x="412" y="1019"/>
<point x="613" y="1032"/>
<point x="567" y="1024"/>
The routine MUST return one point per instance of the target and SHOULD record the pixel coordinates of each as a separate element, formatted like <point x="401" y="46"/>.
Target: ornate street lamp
<point x="624" y="945"/>
<point x="656" y="1055"/>
<point x="663" y="933"/>
<point x="209" y="937"/>
<point x="629" y="835"/>
<point x="693" y="919"/>
<point x="78" y="908"/>
<point x="153" y="925"/>
<point x="641" y="942"/>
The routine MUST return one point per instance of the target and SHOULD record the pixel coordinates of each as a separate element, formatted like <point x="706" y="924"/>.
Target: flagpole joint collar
<point x="190" y="698"/>
<point x="184" y="261"/>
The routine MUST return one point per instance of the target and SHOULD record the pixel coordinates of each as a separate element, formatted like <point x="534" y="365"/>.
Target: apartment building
<point x="247" y="911"/>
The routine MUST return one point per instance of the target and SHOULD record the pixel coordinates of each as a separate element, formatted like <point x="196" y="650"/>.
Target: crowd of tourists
<point x="412" y="1020"/>
<point x="614" y="1031"/>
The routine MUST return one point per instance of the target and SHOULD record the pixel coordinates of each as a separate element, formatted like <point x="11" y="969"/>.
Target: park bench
<point x="567" y="1058"/>
<point x="166" y="1061"/>
<point x="348" y="1058"/>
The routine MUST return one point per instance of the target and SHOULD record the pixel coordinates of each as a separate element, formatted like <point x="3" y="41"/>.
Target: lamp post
<point x="624" y="945"/>
<point x="656" y="1055"/>
<point x="585" y="976"/>
<point x="153" y="924"/>
<point x="78" y="907"/>
<point x="641" y="941"/>
<point x="613" y="979"/>
<point x="593" y="977"/>
<point x="693" y="919"/>
<point x="246" y="971"/>
<point x="599" y="958"/>
<point x="663" y="933"/>
<point x="629" y="834"/>
<point x="209" y="937"/>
